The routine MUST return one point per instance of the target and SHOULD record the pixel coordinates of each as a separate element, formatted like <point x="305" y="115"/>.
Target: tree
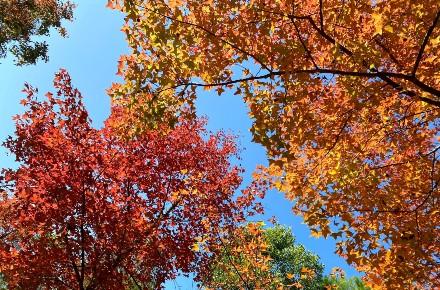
<point x="337" y="281"/>
<point x="345" y="97"/>
<point x="292" y="262"/>
<point x="242" y="262"/>
<point x="87" y="209"/>
<point x="22" y="21"/>
<point x="258" y="258"/>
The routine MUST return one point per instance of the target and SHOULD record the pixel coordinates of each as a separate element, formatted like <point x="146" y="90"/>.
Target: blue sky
<point x="90" y="55"/>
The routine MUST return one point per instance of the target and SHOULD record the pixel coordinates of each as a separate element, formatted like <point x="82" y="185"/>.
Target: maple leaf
<point x="378" y="23"/>
<point x="195" y="247"/>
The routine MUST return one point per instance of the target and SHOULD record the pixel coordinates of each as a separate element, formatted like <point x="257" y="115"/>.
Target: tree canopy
<point x="344" y="95"/>
<point x="337" y="281"/>
<point x="22" y="22"/>
<point x="87" y="209"/>
<point x="264" y="258"/>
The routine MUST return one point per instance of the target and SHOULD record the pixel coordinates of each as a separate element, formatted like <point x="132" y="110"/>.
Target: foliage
<point x="88" y="210"/>
<point x="353" y="283"/>
<point x="21" y="21"/>
<point x="345" y="97"/>
<point x="337" y="281"/>
<point x="3" y="285"/>
<point x="258" y="258"/>
<point x="242" y="262"/>
<point x="290" y="261"/>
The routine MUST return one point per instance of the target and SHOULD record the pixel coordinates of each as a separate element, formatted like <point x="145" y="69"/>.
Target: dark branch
<point x="384" y="76"/>
<point x="321" y="15"/>
<point x="338" y="136"/>
<point x="309" y="54"/>
<point x="235" y="267"/>
<point x="82" y="231"/>
<point x="424" y="43"/>
<point x="384" y="48"/>
<point x="139" y="287"/>
<point x="4" y="235"/>
<point x="73" y="263"/>
<point x="377" y="74"/>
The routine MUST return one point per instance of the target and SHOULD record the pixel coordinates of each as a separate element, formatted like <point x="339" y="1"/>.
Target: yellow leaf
<point x="378" y="23"/>
<point x="195" y="247"/>
<point x="315" y="233"/>
<point x="175" y="3"/>
<point x="297" y="285"/>
<point x="290" y="275"/>
<point x="174" y="195"/>
<point x="278" y="185"/>
<point x="304" y="270"/>
<point x="389" y="28"/>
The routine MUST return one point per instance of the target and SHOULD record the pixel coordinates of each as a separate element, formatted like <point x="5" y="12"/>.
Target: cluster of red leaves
<point x="87" y="209"/>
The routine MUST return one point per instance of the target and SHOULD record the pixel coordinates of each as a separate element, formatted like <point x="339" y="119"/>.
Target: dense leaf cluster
<point x="24" y="22"/>
<point x="344" y="96"/>
<point x="87" y="209"/>
<point x="258" y="258"/>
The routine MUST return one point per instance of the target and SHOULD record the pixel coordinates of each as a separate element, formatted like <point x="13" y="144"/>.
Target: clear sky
<point x="90" y="55"/>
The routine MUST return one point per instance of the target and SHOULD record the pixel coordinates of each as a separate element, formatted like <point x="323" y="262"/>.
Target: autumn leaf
<point x="377" y="23"/>
<point x="195" y="247"/>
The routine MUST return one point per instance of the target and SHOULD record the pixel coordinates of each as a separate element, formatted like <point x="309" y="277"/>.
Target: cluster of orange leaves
<point x="345" y="97"/>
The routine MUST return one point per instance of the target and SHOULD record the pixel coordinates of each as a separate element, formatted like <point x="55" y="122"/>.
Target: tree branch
<point x="385" y="76"/>
<point x="338" y="136"/>
<point x="235" y="267"/>
<point x="384" y="48"/>
<point x="377" y="74"/>
<point x="321" y="15"/>
<point x="309" y="54"/>
<point x="72" y="261"/>
<point x="4" y="235"/>
<point x="424" y="43"/>
<point x="83" y="217"/>
<point x="381" y="75"/>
